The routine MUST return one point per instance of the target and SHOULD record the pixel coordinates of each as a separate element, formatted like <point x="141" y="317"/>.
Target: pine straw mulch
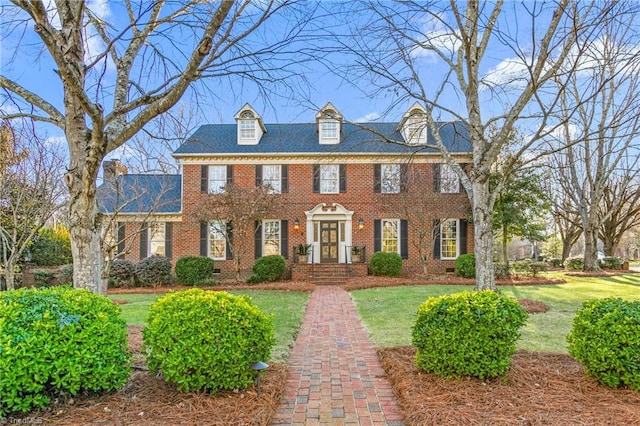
<point x="539" y="389"/>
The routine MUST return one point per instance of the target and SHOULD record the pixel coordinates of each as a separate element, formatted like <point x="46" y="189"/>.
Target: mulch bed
<point x="539" y="389"/>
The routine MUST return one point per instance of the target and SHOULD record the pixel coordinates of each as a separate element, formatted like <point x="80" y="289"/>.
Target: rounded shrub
<point x="605" y="339"/>
<point x="153" y="271"/>
<point x="465" y="265"/>
<point x="385" y="264"/>
<point x="122" y="273"/>
<point x="57" y="342"/>
<point x="467" y="334"/>
<point x="267" y="269"/>
<point x="575" y="263"/>
<point x="205" y="340"/>
<point x="612" y="262"/>
<point x="192" y="270"/>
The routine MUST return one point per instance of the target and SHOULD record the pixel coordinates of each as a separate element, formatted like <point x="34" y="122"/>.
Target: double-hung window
<point x="329" y="129"/>
<point x="271" y="237"/>
<point x="449" y="239"/>
<point x="272" y="178"/>
<point x="391" y="235"/>
<point x="390" y="178"/>
<point x="217" y="179"/>
<point x="329" y="179"/>
<point x="217" y="241"/>
<point x="157" y="239"/>
<point x="449" y="181"/>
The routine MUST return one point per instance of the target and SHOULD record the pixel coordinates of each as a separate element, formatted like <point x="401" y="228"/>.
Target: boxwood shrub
<point x="192" y="270"/>
<point x="605" y="339"/>
<point x="575" y="263"/>
<point x="122" y="273"/>
<point x="267" y="269"/>
<point x="465" y="265"/>
<point x="385" y="264"/>
<point x="205" y="340"/>
<point x="57" y="342"/>
<point x="467" y="334"/>
<point x="612" y="262"/>
<point x="153" y="271"/>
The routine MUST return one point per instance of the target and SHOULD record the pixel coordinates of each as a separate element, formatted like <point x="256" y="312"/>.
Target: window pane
<point x="247" y="129"/>
<point x="449" y="239"/>
<point x="390" y="235"/>
<point x="217" y="179"/>
<point x="271" y="178"/>
<point x="157" y="239"/>
<point x="329" y="129"/>
<point x="329" y="179"/>
<point x="390" y="176"/>
<point x="416" y="126"/>
<point x="448" y="180"/>
<point x="217" y="242"/>
<point x="271" y="237"/>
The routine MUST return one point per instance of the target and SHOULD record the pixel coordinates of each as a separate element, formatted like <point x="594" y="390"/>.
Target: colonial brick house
<point x="342" y="183"/>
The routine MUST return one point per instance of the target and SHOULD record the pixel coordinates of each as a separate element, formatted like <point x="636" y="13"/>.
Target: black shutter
<point x="258" y="174"/>
<point x="284" y="186"/>
<point x="463" y="236"/>
<point x="144" y="241"/>
<point x="284" y="238"/>
<point x="436" y="177"/>
<point x="204" y="239"/>
<point x="316" y="178"/>
<point x="229" y="174"/>
<point x="343" y="177"/>
<point x="377" y="178"/>
<point x="168" y="240"/>
<point x="204" y="179"/>
<point x="436" y="238"/>
<point x="257" y="249"/>
<point x="404" y="239"/>
<point x="229" y="242"/>
<point x="121" y="240"/>
<point x="403" y="177"/>
<point x="377" y="235"/>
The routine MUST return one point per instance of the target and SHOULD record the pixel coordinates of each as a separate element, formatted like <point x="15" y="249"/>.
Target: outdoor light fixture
<point x="360" y="223"/>
<point x="296" y="224"/>
<point x="259" y="367"/>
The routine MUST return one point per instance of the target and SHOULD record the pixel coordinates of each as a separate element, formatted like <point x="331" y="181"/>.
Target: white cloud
<point x="55" y="140"/>
<point x="372" y="116"/>
<point x="511" y="72"/>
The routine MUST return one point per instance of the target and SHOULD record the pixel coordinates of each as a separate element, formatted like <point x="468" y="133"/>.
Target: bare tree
<point x="116" y="78"/>
<point x="620" y="212"/>
<point x="601" y="138"/>
<point x="30" y="191"/>
<point x="234" y="213"/>
<point x="400" y="47"/>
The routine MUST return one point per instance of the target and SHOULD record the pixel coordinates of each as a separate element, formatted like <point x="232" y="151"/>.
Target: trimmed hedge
<point x="191" y="270"/>
<point x="204" y="340"/>
<point x="529" y="267"/>
<point x="612" y="262"/>
<point x="153" y="271"/>
<point x="575" y="263"/>
<point x="122" y="273"/>
<point x="467" y="334"/>
<point x="57" y="342"/>
<point x="465" y="265"/>
<point x="267" y="269"/>
<point x="385" y="264"/>
<point x="605" y="339"/>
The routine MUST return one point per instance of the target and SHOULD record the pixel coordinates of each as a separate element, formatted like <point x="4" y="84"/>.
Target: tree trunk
<point x="566" y="248"/>
<point x="483" y="236"/>
<point x="10" y="274"/>
<point x="505" y="243"/>
<point x="591" y="249"/>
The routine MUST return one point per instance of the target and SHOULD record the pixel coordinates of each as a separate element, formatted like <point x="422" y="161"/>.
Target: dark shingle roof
<point x="137" y="193"/>
<point x="302" y="138"/>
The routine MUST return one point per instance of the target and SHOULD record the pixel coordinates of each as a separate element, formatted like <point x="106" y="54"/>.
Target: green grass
<point x="390" y="313"/>
<point x="288" y="308"/>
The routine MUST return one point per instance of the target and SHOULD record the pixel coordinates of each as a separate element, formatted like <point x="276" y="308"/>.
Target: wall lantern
<point x="360" y="223"/>
<point x="296" y="224"/>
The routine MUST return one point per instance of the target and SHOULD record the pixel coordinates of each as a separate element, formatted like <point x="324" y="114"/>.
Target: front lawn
<point x="390" y="313"/>
<point x="288" y="308"/>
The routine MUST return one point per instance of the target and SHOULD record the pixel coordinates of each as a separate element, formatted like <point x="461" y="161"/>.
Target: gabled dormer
<point x="329" y="122"/>
<point x="250" y="126"/>
<point x="413" y="125"/>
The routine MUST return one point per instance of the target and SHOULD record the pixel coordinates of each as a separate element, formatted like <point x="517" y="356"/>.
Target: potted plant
<point x="303" y="252"/>
<point x="356" y="253"/>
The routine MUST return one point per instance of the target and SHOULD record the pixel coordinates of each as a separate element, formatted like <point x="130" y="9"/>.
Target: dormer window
<point x="414" y="125"/>
<point x="329" y="121"/>
<point x="250" y="126"/>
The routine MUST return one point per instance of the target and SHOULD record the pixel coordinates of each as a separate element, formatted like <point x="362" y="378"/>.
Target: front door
<point x="329" y="242"/>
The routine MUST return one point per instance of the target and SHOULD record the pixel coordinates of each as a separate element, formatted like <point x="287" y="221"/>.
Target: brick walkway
<point x="335" y="377"/>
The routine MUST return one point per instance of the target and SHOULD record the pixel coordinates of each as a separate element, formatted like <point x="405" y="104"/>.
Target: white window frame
<point x="216" y="234"/>
<point x="449" y="180"/>
<point x="272" y="180"/>
<point x="157" y="239"/>
<point x="217" y="179"/>
<point x="329" y="130"/>
<point x="446" y="238"/>
<point x="416" y="128"/>
<point x="248" y="129"/>
<point x="271" y="235"/>
<point x="390" y="178"/>
<point x="387" y="242"/>
<point x="328" y="183"/>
